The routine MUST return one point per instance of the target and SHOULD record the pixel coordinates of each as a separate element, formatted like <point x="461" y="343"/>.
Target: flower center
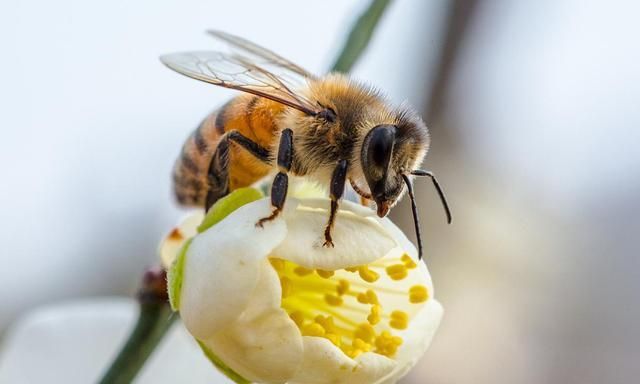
<point x="358" y="309"/>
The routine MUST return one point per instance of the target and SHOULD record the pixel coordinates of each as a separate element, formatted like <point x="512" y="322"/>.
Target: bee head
<point x="390" y="151"/>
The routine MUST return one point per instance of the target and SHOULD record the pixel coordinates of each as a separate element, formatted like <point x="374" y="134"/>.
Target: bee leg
<point x="281" y="181"/>
<point x="260" y="152"/>
<point x="336" y="190"/>
<point x="218" y="175"/>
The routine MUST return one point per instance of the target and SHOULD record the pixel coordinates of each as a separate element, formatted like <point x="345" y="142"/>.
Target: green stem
<point x="153" y="323"/>
<point x="154" y="320"/>
<point x="360" y="36"/>
<point x="156" y="316"/>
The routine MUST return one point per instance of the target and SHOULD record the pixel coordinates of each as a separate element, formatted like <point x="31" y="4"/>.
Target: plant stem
<point x="154" y="320"/>
<point x="156" y="316"/>
<point x="360" y="36"/>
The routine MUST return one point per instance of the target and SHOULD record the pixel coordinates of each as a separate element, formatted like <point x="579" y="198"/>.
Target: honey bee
<point x="327" y="128"/>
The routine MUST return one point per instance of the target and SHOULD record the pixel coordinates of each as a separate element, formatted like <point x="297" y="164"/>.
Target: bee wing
<point x="260" y="54"/>
<point x="241" y="73"/>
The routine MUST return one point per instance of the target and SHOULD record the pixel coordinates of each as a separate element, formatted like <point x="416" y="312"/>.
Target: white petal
<point x="324" y="363"/>
<point x="358" y="240"/>
<point x="222" y="268"/>
<point x="264" y="344"/>
<point x="173" y="242"/>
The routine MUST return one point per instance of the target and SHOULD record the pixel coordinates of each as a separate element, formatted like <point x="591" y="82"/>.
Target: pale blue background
<point x="537" y="146"/>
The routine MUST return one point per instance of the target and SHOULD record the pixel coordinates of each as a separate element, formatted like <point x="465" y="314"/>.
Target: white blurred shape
<point x="74" y="342"/>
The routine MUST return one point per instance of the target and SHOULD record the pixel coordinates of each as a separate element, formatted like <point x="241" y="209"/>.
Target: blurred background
<point x="533" y="108"/>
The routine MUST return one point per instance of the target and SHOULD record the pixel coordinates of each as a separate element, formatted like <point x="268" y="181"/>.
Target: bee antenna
<point x="414" y="210"/>
<point x="443" y="199"/>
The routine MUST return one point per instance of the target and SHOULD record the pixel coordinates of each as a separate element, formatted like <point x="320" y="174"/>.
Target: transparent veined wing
<point x="242" y="73"/>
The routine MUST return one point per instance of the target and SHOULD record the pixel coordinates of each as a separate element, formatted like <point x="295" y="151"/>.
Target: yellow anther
<point x="365" y="332"/>
<point x="397" y="271"/>
<point x="313" y="329"/>
<point x="368" y="297"/>
<point x="277" y="264"/>
<point x="372" y="298"/>
<point x="408" y="261"/>
<point x="286" y="285"/>
<point x="418" y="294"/>
<point x="361" y="345"/>
<point x="327" y="323"/>
<point x="324" y="274"/>
<point x="334" y="338"/>
<point x="343" y="287"/>
<point x="352" y="352"/>
<point x="399" y="320"/>
<point x="352" y="269"/>
<point x="302" y="271"/>
<point x="333" y="299"/>
<point x="374" y="316"/>
<point x="368" y="275"/>
<point x="297" y="317"/>
<point x="387" y="344"/>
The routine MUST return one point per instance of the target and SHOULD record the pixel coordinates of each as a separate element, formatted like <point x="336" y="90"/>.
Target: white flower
<point x="272" y="305"/>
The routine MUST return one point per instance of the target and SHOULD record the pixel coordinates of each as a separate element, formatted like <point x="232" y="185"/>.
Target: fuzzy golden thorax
<point x="350" y="112"/>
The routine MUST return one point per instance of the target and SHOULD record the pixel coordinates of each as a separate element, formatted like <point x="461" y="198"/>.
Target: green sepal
<point x="221" y="366"/>
<point x="226" y="205"/>
<point x="174" y="276"/>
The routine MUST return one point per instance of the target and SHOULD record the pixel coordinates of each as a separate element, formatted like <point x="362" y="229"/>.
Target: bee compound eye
<point x="380" y="145"/>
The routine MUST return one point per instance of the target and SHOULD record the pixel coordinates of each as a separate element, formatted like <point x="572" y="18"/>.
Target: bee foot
<point x="274" y="214"/>
<point x="328" y="243"/>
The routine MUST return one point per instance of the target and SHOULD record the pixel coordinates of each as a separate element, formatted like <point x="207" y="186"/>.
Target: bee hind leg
<point x="338" y="179"/>
<point x="218" y="174"/>
<point x="281" y="181"/>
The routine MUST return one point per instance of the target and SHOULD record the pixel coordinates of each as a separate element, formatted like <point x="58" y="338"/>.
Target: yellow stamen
<point x="367" y="297"/>
<point x="333" y="299"/>
<point x="297" y="317"/>
<point x="374" y="316"/>
<point x="277" y="264"/>
<point x="387" y="344"/>
<point x="324" y="274"/>
<point x="397" y="271"/>
<point x="418" y="294"/>
<point x="302" y="271"/>
<point x="368" y="275"/>
<point x="327" y="323"/>
<point x="359" y="344"/>
<point x="352" y="269"/>
<point x="365" y="332"/>
<point x="313" y="329"/>
<point x="343" y="287"/>
<point x="372" y="297"/>
<point x="334" y="338"/>
<point x="408" y="261"/>
<point x="399" y="320"/>
<point x="286" y="285"/>
<point x="352" y="352"/>
<point x="319" y="303"/>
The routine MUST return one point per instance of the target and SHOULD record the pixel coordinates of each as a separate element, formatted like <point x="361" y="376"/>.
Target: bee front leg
<point x="281" y="181"/>
<point x="338" y="179"/>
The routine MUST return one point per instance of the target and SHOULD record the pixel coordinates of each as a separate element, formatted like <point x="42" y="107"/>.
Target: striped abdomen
<point x="255" y="118"/>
